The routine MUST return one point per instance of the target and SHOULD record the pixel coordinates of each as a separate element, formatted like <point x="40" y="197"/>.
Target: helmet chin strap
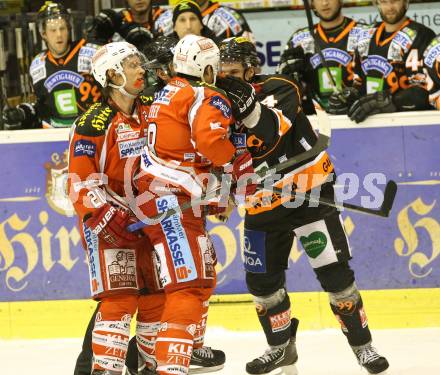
<point x="121" y="88"/>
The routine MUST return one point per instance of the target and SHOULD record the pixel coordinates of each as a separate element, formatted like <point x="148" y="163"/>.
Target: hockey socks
<point x="274" y="316"/>
<point x="349" y="310"/>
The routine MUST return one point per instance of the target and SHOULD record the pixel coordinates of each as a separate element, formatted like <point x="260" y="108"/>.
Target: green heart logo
<point x="314" y="244"/>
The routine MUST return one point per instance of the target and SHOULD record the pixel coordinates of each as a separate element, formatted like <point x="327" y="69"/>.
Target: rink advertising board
<point x="41" y="256"/>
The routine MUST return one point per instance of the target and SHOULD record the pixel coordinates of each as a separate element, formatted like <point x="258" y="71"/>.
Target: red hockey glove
<point x="109" y="223"/>
<point x="241" y="166"/>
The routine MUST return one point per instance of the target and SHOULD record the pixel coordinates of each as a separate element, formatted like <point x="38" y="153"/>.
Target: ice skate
<point x="283" y="359"/>
<point x="368" y="358"/>
<point x="205" y="360"/>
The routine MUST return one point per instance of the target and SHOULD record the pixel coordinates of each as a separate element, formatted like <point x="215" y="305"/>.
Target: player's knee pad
<point x="274" y="315"/>
<point x="335" y="277"/>
<point x="348" y="308"/>
<point x="263" y="284"/>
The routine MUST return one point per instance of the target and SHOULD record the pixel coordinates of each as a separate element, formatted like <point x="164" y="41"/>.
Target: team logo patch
<point x="165" y="95"/>
<point x="230" y="19"/>
<point x="84" y="147"/>
<point x="63" y="76"/>
<point x="403" y="40"/>
<point x="221" y="104"/>
<point x="280" y="322"/>
<point x="379" y="63"/>
<point x="131" y="148"/>
<point x="254" y="251"/>
<point x="331" y="54"/>
<point x="182" y="258"/>
<point x="432" y="55"/>
<point x="121" y="268"/>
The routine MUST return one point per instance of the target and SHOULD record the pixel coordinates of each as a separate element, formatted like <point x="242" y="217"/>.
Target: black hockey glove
<point x="292" y="63"/>
<point x="241" y="94"/>
<point x="371" y="104"/>
<point x="13" y="118"/>
<point x="22" y="116"/>
<point x="340" y="102"/>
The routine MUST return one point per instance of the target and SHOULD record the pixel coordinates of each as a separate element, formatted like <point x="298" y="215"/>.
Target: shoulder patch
<point x="221" y="104"/>
<point x="95" y="121"/>
<point x="37" y="70"/>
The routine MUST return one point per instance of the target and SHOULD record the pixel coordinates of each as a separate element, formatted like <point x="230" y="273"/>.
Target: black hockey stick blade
<point x="384" y="210"/>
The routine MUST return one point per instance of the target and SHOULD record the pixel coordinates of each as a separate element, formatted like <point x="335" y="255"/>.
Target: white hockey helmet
<point x="111" y="56"/>
<point x="194" y="53"/>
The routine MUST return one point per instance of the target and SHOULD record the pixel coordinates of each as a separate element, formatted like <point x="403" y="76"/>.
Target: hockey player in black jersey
<point x="391" y="72"/>
<point x="61" y="79"/>
<point x="431" y="61"/>
<point x="135" y="24"/>
<point x="274" y="128"/>
<point x="224" y="21"/>
<point x="337" y="37"/>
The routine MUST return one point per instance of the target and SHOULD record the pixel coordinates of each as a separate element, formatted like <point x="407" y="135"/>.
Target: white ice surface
<point x="409" y="351"/>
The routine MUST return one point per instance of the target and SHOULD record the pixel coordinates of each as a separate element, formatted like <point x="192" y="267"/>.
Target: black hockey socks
<point x="349" y="310"/>
<point x="274" y="315"/>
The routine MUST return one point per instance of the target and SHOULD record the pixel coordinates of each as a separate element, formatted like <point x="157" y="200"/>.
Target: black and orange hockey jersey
<point x="282" y="132"/>
<point x="392" y="61"/>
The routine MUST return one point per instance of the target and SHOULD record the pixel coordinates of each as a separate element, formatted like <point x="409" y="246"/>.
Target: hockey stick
<point x="384" y="210"/>
<point x="308" y="11"/>
<point x="320" y="145"/>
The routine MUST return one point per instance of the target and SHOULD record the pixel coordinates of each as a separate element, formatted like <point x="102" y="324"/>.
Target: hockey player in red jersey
<point x="102" y="142"/>
<point x="187" y="136"/>
<point x="274" y="128"/>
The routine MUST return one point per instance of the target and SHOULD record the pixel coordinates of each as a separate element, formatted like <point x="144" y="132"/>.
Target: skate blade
<point x="204" y="370"/>
<point x="285" y="370"/>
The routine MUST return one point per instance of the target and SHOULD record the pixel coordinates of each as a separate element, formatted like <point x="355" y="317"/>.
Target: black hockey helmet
<point x="239" y="49"/>
<point x="160" y="52"/>
<point x="51" y="10"/>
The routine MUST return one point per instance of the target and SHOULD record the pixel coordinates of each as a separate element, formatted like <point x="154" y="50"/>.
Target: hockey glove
<point x="109" y="223"/>
<point x="292" y="63"/>
<point x="22" y="116"/>
<point x="242" y="171"/>
<point x="371" y="104"/>
<point x="241" y="94"/>
<point x="340" y="102"/>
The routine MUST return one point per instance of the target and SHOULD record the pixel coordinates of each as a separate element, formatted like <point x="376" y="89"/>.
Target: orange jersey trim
<point x="303" y="179"/>
<point x="210" y="9"/>
<point x="69" y="56"/>
<point x="341" y="35"/>
<point x="380" y="30"/>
